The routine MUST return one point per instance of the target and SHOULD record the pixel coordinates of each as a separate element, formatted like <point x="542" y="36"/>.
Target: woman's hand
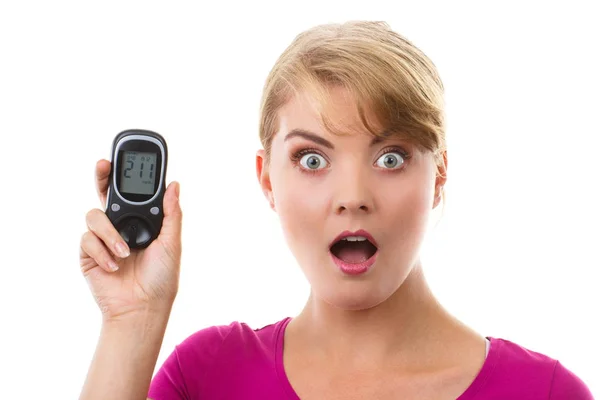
<point x="146" y="279"/>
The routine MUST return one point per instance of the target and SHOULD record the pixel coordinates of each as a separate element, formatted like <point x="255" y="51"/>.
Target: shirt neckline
<point x="476" y="385"/>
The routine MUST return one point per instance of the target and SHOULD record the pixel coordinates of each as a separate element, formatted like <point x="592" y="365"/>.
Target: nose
<point x="353" y="195"/>
<point x="351" y="206"/>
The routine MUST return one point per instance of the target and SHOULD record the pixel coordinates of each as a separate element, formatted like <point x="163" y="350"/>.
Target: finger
<point x="170" y="232"/>
<point x="102" y="177"/>
<point x="92" y="247"/>
<point x="98" y="222"/>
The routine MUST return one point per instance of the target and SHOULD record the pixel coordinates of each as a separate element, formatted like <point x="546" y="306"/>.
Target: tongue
<point x="354" y="252"/>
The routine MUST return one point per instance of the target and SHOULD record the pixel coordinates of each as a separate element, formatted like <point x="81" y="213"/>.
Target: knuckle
<point x="85" y="238"/>
<point x="86" y="246"/>
<point x="90" y="216"/>
<point x="94" y="219"/>
<point x="87" y="241"/>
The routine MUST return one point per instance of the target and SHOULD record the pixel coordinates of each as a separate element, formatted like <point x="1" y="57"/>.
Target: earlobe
<point x="440" y="180"/>
<point x="262" y="174"/>
<point x="272" y="201"/>
<point x="439" y="194"/>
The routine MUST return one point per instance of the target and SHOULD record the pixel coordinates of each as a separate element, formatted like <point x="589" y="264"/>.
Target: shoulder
<point x="518" y="369"/>
<point x="220" y="340"/>
<point x="513" y="354"/>
<point x="567" y="385"/>
<point x="210" y="357"/>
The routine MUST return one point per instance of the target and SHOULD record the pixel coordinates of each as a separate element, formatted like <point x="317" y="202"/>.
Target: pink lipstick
<point x="354" y="253"/>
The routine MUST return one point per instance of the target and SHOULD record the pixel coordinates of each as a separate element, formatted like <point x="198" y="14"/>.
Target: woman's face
<point x="322" y="185"/>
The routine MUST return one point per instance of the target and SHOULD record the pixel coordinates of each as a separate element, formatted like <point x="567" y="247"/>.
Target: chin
<point x="352" y="293"/>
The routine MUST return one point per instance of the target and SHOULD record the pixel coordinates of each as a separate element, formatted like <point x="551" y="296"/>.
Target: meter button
<point x="115" y="207"/>
<point x="154" y="210"/>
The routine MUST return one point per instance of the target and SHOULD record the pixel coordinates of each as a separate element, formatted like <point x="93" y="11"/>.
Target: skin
<point x="381" y="333"/>
<point x="135" y="300"/>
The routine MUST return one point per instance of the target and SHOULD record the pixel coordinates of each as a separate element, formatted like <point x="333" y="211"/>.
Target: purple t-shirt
<point x="237" y="362"/>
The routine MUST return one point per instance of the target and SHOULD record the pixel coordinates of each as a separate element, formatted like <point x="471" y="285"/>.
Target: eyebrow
<point x="313" y="137"/>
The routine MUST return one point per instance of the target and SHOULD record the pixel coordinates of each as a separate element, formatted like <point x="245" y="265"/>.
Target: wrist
<point x="139" y="316"/>
<point x="126" y="354"/>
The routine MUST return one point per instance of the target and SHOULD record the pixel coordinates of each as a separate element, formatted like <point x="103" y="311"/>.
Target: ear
<point x="264" y="179"/>
<point x="440" y="180"/>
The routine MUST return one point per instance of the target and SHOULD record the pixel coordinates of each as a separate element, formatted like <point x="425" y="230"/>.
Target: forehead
<point x="337" y="114"/>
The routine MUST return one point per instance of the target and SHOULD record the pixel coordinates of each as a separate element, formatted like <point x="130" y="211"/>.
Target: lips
<point x="353" y="248"/>
<point x="360" y="232"/>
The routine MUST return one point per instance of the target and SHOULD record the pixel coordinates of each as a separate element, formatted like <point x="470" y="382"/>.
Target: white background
<point x="515" y="254"/>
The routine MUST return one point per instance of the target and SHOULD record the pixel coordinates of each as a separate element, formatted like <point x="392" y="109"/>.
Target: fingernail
<point x="122" y="249"/>
<point x="177" y="190"/>
<point x="112" y="265"/>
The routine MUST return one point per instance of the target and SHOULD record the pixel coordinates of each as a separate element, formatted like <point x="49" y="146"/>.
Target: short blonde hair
<point x="387" y="75"/>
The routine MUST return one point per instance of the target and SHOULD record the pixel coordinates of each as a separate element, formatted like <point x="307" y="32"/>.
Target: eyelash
<point x="395" y="149"/>
<point x="297" y="156"/>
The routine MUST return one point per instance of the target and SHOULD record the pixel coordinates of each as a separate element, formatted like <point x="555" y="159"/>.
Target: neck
<point x="406" y="323"/>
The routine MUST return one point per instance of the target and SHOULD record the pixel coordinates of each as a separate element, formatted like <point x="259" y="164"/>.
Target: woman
<point x="353" y="162"/>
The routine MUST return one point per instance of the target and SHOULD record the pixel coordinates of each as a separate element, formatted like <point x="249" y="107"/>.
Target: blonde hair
<point x="388" y="76"/>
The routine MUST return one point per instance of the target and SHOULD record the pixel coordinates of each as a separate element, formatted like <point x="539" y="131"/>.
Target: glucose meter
<point x="136" y="188"/>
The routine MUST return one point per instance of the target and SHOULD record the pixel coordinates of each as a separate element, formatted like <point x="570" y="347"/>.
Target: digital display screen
<point x="138" y="173"/>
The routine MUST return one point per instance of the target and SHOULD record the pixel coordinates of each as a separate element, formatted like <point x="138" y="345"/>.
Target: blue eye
<point x="390" y="160"/>
<point x="313" y="161"/>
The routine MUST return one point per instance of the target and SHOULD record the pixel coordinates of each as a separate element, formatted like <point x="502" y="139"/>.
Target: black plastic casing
<point x="137" y="217"/>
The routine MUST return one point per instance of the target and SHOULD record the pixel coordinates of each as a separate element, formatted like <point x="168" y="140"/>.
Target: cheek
<point x="408" y="205"/>
<point x="300" y="202"/>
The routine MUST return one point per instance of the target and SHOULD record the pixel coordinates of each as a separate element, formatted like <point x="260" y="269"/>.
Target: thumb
<point x="170" y="232"/>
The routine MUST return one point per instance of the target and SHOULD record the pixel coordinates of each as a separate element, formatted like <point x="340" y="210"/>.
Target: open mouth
<point x="353" y="249"/>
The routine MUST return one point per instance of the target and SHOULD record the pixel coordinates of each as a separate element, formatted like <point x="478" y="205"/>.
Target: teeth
<point x="355" y="238"/>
